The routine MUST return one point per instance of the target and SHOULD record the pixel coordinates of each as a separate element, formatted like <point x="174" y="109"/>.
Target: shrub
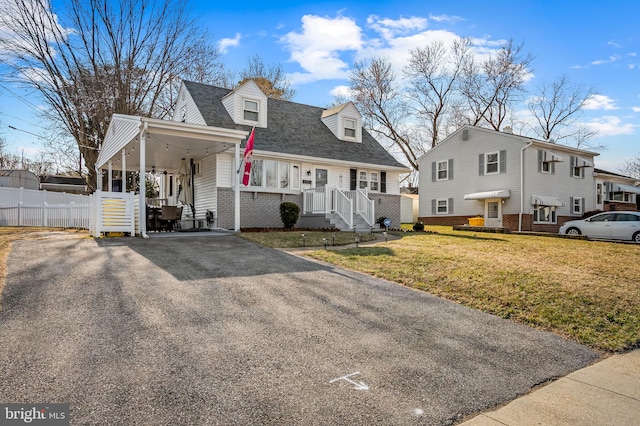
<point x="418" y="226"/>
<point x="289" y="214"/>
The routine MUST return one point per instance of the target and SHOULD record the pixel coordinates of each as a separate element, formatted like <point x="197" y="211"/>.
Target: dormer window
<point x="349" y="128"/>
<point x="251" y="110"/>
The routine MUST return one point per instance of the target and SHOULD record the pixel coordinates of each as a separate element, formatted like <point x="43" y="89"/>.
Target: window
<point x="271" y="173"/>
<point x="599" y="193"/>
<point x="256" y="172"/>
<point x="442" y="206"/>
<point x="283" y="174"/>
<point x="274" y="174"/>
<point x="295" y="177"/>
<point x="625" y="197"/>
<point x="321" y="178"/>
<point x="362" y="179"/>
<point x="577" y="166"/>
<point x="489" y="163"/>
<point x="576" y="205"/>
<point x="544" y="214"/>
<point x="250" y="110"/>
<point x="349" y="128"/>
<point x="374" y="181"/>
<point x="443" y="170"/>
<point x="545" y="167"/>
<point x="492" y="163"/>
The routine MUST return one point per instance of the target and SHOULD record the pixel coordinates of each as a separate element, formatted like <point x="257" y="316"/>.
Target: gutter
<point x="522" y="184"/>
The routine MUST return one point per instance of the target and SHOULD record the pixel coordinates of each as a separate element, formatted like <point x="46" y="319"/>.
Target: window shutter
<point x="571" y="204"/>
<point x="571" y="163"/>
<point x="539" y="160"/>
<point x="552" y="168"/>
<point x="433" y="206"/>
<point x="450" y="171"/>
<point x="450" y="206"/>
<point x="383" y="182"/>
<point x="433" y="171"/>
<point x="503" y="161"/>
<point x="353" y="180"/>
<point x="481" y="164"/>
<point x="582" y="172"/>
<point x="583" y="205"/>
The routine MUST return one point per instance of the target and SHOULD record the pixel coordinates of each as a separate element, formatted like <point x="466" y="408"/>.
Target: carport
<point x="146" y="144"/>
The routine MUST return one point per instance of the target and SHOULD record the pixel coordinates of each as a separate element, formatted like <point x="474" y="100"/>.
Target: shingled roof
<point x="292" y="128"/>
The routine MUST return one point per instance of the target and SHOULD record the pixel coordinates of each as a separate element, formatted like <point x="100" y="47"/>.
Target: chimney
<point x="507" y="129"/>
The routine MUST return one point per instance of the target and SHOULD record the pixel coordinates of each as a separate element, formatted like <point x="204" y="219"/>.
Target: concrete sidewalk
<point x="605" y="393"/>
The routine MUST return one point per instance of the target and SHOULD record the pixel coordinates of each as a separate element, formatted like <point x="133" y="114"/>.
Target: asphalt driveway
<point x="217" y="330"/>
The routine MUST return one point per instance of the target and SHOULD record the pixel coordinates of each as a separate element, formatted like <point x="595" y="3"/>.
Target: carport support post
<point x="110" y="182"/>
<point x="236" y="195"/>
<point x="142" y="199"/>
<point x="123" y="184"/>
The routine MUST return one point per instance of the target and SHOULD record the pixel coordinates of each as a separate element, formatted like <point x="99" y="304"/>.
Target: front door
<point x="493" y="212"/>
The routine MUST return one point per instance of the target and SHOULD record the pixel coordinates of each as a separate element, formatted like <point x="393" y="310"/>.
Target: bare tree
<point x="557" y="107"/>
<point x="492" y="87"/>
<point x="435" y="74"/>
<point x="631" y="167"/>
<point x="374" y="87"/>
<point x="100" y="57"/>
<point x="272" y="80"/>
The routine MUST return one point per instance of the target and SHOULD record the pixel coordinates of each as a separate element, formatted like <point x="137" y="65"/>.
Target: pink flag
<point x="248" y="153"/>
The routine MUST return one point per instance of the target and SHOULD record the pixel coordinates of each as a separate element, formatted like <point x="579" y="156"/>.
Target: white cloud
<point x="612" y="58"/>
<point x="226" y="43"/>
<point x="389" y="28"/>
<point x="610" y="125"/>
<point x="341" y="91"/>
<point x="636" y="108"/>
<point x="318" y="46"/>
<point x="445" y="18"/>
<point x="600" y="102"/>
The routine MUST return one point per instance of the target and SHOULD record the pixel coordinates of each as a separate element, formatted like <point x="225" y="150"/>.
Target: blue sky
<point x="593" y="43"/>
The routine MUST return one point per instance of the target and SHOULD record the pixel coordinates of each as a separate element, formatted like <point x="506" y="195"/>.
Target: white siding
<point x="205" y="184"/>
<point x="191" y="112"/>
<point x="225" y="170"/>
<point x="335" y="122"/>
<point x="234" y="104"/>
<point x="559" y="184"/>
<point x="467" y="178"/>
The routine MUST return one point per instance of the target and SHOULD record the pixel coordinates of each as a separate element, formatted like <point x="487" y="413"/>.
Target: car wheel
<point x="636" y="237"/>
<point x="573" y="231"/>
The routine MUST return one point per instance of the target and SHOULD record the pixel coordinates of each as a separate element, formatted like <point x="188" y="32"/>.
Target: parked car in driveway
<point x="607" y="225"/>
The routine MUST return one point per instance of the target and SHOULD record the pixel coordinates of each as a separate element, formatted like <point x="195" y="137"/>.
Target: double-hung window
<point x="251" y="110"/>
<point x="443" y="170"/>
<point x="362" y="178"/>
<point x="576" y="205"/>
<point x="373" y="176"/>
<point x="442" y="206"/>
<point x="492" y="163"/>
<point x="350" y="128"/>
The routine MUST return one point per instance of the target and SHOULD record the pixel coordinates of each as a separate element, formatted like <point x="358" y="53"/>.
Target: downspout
<point x="522" y="185"/>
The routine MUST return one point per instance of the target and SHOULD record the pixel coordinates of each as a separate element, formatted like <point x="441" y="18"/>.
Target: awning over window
<point x="551" y="156"/>
<point x="541" y="200"/>
<point x="583" y="162"/>
<point x="620" y="187"/>
<point x="503" y="193"/>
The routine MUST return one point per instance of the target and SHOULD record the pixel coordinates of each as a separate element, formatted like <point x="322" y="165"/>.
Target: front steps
<point x="332" y="220"/>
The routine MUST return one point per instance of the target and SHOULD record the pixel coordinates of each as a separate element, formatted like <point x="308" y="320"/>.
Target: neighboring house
<point x="321" y="159"/>
<point x="511" y="181"/>
<point x="615" y="191"/>
<point x="19" y="179"/>
<point x="68" y="184"/>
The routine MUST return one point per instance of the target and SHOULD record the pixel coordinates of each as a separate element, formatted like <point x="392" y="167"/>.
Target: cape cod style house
<point x="321" y="159"/>
<point x="514" y="182"/>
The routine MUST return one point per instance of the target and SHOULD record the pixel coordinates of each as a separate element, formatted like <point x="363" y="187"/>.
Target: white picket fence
<point x="30" y="207"/>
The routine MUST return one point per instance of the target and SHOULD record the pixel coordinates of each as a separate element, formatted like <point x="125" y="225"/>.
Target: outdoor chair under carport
<point x="169" y="220"/>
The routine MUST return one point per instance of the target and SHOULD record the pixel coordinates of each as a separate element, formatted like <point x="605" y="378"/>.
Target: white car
<point x="607" y="225"/>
